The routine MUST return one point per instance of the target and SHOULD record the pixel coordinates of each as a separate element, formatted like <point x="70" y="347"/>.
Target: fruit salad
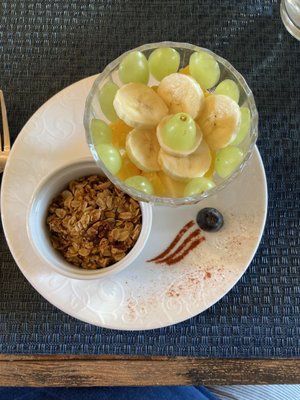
<point x="169" y="129"/>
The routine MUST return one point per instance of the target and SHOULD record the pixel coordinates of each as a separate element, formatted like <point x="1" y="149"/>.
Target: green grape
<point x="227" y="160"/>
<point x="134" y="68"/>
<point x="179" y="132"/>
<point x="163" y="61"/>
<point x="110" y="157"/>
<point x="228" y="88"/>
<point x="106" y="98"/>
<point x="140" y="183"/>
<point x="245" y="126"/>
<point x="205" y="69"/>
<point x="198" y="185"/>
<point x="101" y="132"/>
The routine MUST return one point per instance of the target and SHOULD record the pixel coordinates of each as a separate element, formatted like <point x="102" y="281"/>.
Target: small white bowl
<point x="38" y="232"/>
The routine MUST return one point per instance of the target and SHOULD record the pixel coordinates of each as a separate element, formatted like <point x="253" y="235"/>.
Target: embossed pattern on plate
<point x="146" y="295"/>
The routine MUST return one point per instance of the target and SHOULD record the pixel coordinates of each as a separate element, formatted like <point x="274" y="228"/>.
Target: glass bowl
<point x="227" y="71"/>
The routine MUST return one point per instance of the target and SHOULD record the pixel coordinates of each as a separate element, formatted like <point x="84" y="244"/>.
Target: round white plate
<point x="146" y="295"/>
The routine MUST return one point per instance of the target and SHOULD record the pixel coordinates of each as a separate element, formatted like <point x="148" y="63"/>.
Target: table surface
<point x="253" y="333"/>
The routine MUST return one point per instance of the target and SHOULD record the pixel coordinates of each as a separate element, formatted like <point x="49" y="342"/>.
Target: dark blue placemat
<point x="47" y="45"/>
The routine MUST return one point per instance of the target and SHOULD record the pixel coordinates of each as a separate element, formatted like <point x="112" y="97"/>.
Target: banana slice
<point x="139" y="106"/>
<point x="219" y="120"/>
<point x="184" y="168"/>
<point x="176" y="152"/>
<point x="142" y="148"/>
<point x="181" y="93"/>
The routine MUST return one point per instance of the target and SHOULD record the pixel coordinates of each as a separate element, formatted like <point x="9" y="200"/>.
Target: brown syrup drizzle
<point x="175" y="241"/>
<point x="179" y="249"/>
<point x="192" y="245"/>
<point x="172" y="257"/>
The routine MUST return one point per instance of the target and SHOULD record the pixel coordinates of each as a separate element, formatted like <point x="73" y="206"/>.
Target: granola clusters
<point x="92" y="223"/>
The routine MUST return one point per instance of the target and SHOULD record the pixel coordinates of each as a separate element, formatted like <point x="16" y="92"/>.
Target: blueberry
<point x="210" y="219"/>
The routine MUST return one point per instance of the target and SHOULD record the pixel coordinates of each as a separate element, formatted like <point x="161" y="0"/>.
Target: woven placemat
<point x="47" y="45"/>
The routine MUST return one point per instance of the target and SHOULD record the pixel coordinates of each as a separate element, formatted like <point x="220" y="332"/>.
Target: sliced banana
<point x="219" y="120"/>
<point x="142" y="148"/>
<point x="181" y="93"/>
<point x="139" y="106"/>
<point x="168" y="149"/>
<point x="184" y="168"/>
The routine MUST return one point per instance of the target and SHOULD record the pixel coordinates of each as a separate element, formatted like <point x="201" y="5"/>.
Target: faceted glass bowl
<point x="93" y="110"/>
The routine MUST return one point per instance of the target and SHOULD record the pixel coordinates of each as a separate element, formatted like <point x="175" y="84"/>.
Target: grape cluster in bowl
<point x="170" y="123"/>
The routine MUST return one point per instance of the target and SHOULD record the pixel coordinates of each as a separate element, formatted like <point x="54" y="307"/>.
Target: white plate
<point x="146" y="295"/>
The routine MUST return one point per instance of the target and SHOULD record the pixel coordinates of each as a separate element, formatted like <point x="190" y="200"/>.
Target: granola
<point x="92" y="223"/>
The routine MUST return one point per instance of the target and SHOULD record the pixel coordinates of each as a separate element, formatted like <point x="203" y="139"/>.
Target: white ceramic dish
<point x="145" y="295"/>
<point x="38" y="233"/>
